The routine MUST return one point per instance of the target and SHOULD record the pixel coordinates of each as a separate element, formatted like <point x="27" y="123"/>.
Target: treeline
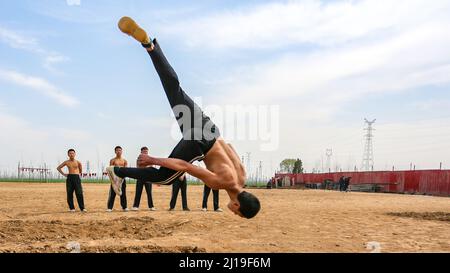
<point x="291" y="166"/>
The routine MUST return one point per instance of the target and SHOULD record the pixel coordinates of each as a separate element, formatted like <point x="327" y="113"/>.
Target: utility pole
<point x="88" y="167"/>
<point x="329" y="154"/>
<point x="368" y="162"/>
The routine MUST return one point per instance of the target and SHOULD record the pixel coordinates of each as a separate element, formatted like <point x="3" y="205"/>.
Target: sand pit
<point x="34" y="218"/>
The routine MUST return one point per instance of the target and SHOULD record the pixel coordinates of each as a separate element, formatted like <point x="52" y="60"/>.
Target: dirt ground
<point x="34" y="218"/>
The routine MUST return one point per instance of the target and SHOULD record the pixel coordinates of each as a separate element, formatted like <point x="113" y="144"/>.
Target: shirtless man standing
<point x="118" y="161"/>
<point x="73" y="182"/>
<point x="201" y="141"/>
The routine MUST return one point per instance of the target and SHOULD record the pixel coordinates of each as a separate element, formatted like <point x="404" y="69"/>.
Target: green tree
<point x="298" y="166"/>
<point x="287" y="165"/>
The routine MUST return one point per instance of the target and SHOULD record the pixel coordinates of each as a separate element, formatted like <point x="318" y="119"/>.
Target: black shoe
<point x="186" y="209"/>
<point x="171" y="209"/>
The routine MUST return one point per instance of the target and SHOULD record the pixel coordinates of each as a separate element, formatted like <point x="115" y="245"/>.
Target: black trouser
<point x="341" y="184"/>
<point x="177" y="185"/>
<point x="206" y="193"/>
<point x="346" y="185"/>
<point x="73" y="184"/>
<point x="199" y="133"/>
<point x="123" y="197"/>
<point x="139" y="188"/>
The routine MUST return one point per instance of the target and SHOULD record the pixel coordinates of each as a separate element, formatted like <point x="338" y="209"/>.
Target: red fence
<point x="431" y="182"/>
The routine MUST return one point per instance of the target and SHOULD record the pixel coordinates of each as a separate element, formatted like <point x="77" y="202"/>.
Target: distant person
<point x="341" y="183"/>
<point x="140" y="184"/>
<point x="180" y="183"/>
<point x="347" y="184"/>
<point x="269" y="184"/>
<point x="73" y="181"/>
<point x="118" y="161"/>
<point x="206" y="192"/>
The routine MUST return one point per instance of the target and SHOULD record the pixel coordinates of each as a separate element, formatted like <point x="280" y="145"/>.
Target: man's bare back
<point x="223" y="167"/>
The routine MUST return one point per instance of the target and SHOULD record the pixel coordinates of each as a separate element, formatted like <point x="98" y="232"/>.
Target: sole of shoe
<point x="128" y="26"/>
<point x="113" y="183"/>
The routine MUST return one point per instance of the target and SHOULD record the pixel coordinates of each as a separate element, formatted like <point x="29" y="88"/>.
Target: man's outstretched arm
<point x="208" y="177"/>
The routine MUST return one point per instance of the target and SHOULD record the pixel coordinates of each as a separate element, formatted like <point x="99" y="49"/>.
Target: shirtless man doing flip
<point x="201" y="141"/>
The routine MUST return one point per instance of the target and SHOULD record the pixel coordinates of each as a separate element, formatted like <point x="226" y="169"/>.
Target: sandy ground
<point x="34" y="218"/>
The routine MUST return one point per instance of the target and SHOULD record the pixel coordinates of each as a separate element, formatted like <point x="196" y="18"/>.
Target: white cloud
<point x="73" y="135"/>
<point x="431" y="104"/>
<point x="368" y="46"/>
<point x="323" y="80"/>
<point x="53" y="59"/>
<point x="39" y="84"/>
<point x="16" y="128"/>
<point x="303" y="22"/>
<point x="19" y="138"/>
<point x="17" y="40"/>
<point x="358" y="48"/>
<point x="102" y="115"/>
<point x="33" y="144"/>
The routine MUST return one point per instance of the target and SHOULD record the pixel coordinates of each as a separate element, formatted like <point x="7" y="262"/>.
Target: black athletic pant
<point x="73" y="184"/>
<point x="206" y="193"/>
<point x="123" y="197"/>
<point x="196" y="141"/>
<point x="177" y="185"/>
<point x="137" y="197"/>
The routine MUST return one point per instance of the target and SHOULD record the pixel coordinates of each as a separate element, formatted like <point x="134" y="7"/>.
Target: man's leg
<point x="138" y="194"/>
<point x="216" y="199"/>
<point x="79" y="193"/>
<point x="184" y="194"/>
<point x="173" y="90"/>
<point x="206" y="192"/>
<point x="148" y="190"/>
<point x="111" y="198"/>
<point x="186" y="150"/>
<point x="123" y="197"/>
<point x="194" y="124"/>
<point x="196" y="141"/>
<point x="70" y="189"/>
<point x="175" y="190"/>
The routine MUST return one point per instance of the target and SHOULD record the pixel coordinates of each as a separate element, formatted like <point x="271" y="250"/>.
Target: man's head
<point x="118" y="151"/>
<point x="71" y="153"/>
<point x="247" y="205"/>
<point x="144" y="150"/>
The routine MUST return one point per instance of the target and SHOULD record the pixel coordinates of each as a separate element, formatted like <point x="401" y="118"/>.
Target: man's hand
<point x="145" y="160"/>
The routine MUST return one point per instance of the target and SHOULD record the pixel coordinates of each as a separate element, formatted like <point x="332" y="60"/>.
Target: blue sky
<point x="69" y="78"/>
